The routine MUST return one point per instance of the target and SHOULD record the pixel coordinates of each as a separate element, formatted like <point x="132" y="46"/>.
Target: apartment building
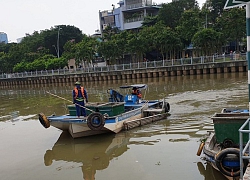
<point x="3" y="38"/>
<point x="129" y="14"/>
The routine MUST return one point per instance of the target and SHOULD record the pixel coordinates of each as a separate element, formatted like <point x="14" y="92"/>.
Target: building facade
<point x="3" y="38"/>
<point x="128" y="15"/>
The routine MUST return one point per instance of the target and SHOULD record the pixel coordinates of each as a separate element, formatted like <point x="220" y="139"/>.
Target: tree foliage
<point x="207" y="40"/>
<point x="232" y="23"/>
<point x="177" y="25"/>
<point x="171" y="13"/>
<point x="188" y="25"/>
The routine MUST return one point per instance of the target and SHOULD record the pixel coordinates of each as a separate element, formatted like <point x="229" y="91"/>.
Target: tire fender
<point x="43" y="120"/>
<point x="200" y="148"/>
<point x="222" y="155"/>
<point x="95" y="121"/>
<point x="166" y="107"/>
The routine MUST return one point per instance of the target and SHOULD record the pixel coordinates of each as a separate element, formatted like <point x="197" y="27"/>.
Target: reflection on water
<point x="209" y="172"/>
<point x="92" y="153"/>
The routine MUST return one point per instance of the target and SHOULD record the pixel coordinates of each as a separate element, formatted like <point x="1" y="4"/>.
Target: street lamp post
<point x="58" y="36"/>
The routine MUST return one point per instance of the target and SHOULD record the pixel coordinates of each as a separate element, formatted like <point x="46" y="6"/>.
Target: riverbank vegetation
<point x="180" y="29"/>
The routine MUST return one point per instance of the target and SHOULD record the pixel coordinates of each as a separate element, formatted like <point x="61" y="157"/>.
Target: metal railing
<point x="130" y="66"/>
<point x="243" y="151"/>
<point x="134" y="19"/>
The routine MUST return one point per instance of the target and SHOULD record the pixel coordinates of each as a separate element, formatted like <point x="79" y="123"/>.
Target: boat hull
<point x="78" y="127"/>
<point x="221" y="146"/>
<point x="224" y="160"/>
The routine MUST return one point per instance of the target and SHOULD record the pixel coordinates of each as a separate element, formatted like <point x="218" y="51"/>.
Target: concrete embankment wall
<point x="182" y="70"/>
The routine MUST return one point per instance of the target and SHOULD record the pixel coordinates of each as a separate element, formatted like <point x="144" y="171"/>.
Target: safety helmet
<point x="77" y="83"/>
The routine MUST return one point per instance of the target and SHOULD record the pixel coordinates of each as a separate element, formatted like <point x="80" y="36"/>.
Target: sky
<point x="21" y="17"/>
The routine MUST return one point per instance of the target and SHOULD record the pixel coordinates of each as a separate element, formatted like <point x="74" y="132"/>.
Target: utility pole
<point x="206" y="16"/>
<point x="58" y="36"/>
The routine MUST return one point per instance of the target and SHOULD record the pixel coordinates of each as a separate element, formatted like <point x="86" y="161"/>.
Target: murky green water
<point x="163" y="150"/>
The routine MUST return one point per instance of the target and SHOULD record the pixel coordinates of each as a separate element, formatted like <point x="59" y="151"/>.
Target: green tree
<point x="109" y="31"/>
<point x="232" y="23"/>
<point x="216" y="7"/>
<point x="107" y="49"/>
<point x="171" y="13"/>
<point x="188" y="25"/>
<point x="21" y="67"/>
<point x="56" y="63"/>
<point x="165" y="40"/>
<point x="85" y="50"/>
<point x="135" y="46"/>
<point x="6" y="66"/>
<point x="69" y="50"/>
<point x="149" y="21"/>
<point x="48" y="39"/>
<point x="207" y="40"/>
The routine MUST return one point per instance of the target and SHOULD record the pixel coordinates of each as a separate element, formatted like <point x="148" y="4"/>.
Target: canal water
<point x="163" y="150"/>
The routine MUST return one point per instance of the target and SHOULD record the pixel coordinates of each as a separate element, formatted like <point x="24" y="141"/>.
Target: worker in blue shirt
<point x="79" y="95"/>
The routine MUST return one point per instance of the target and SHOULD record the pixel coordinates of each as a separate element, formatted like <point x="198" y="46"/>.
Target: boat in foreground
<point x="118" y="114"/>
<point x="221" y="147"/>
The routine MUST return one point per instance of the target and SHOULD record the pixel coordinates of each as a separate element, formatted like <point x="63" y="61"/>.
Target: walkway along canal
<point x="182" y="67"/>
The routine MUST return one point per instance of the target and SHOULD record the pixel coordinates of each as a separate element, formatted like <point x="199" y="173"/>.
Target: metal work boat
<point x="221" y="147"/>
<point x="121" y="112"/>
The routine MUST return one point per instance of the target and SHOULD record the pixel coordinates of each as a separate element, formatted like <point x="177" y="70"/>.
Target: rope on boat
<point x="69" y="101"/>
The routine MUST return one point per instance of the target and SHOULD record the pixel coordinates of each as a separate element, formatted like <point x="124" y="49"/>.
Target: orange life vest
<point x="76" y="92"/>
<point x="137" y="92"/>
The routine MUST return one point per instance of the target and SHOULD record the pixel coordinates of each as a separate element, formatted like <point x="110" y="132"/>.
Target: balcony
<point x="134" y="19"/>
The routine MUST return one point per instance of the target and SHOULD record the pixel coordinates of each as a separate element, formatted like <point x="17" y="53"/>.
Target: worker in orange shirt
<point x="79" y="95"/>
<point x="136" y="91"/>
